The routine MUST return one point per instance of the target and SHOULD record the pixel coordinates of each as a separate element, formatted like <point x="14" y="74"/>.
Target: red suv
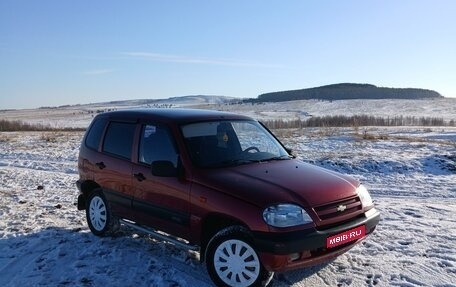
<point x="222" y="184"/>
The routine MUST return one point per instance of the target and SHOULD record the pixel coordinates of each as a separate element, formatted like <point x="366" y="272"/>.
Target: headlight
<point x="364" y="196"/>
<point x="285" y="215"/>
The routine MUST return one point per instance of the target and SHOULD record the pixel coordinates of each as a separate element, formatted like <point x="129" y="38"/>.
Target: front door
<point x="161" y="202"/>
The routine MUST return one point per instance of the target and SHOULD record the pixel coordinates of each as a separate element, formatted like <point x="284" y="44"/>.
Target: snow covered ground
<point x="442" y="108"/>
<point x="81" y="115"/>
<point x="410" y="172"/>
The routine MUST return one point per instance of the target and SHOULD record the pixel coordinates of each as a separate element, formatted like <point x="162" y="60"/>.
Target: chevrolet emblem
<point x="341" y="208"/>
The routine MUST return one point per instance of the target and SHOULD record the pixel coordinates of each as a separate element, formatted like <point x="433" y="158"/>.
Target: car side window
<point x="119" y="139"/>
<point x="95" y="133"/>
<point x="156" y="143"/>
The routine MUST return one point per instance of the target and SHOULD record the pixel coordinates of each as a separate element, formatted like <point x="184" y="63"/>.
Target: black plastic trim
<point x="309" y="239"/>
<point x="118" y="198"/>
<point x="79" y="185"/>
<point x="161" y="212"/>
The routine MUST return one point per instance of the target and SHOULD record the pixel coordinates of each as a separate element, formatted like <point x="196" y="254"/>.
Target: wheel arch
<point x="212" y="224"/>
<point x="246" y="256"/>
<point x="86" y="188"/>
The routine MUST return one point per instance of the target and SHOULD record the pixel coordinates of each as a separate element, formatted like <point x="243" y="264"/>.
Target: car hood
<point x="284" y="181"/>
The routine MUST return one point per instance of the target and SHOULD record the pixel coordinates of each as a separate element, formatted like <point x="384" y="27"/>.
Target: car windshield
<point x="230" y="143"/>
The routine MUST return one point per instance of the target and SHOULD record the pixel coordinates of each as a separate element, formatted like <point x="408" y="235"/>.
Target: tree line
<point x="17" y="126"/>
<point x="346" y="91"/>
<point x="356" y="121"/>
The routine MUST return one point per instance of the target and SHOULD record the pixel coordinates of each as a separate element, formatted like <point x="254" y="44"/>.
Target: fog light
<point x="293" y="257"/>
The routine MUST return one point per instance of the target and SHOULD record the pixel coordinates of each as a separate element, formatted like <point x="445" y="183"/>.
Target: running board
<point x="160" y="236"/>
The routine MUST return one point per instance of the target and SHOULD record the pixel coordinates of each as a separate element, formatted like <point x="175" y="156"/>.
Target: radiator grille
<point x="338" y="208"/>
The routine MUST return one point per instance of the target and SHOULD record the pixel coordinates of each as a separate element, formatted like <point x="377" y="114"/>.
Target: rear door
<point x="114" y="166"/>
<point x="161" y="202"/>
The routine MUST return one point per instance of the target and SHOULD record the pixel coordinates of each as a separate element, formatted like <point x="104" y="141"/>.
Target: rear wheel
<point x="232" y="260"/>
<point x="99" y="216"/>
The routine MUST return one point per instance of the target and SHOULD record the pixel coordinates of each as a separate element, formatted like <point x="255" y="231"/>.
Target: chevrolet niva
<point x="221" y="184"/>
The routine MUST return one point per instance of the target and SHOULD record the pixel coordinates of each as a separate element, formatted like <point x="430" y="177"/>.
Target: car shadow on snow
<point x="74" y="257"/>
<point x="57" y="256"/>
<point x="292" y="277"/>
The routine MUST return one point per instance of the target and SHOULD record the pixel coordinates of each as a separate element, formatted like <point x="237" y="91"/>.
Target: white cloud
<point x="194" y="60"/>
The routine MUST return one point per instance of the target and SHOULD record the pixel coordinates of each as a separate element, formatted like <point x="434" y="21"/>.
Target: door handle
<point x="139" y="176"/>
<point x="100" y="165"/>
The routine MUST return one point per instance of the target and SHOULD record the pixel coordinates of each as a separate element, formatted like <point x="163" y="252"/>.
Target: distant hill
<point x="347" y="91"/>
<point x="169" y="102"/>
<point x="182" y="100"/>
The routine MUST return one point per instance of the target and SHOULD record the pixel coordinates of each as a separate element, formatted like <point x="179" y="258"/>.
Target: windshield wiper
<point x="281" y="157"/>
<point x="242" y="161"/>
<point x="233" y="162"/>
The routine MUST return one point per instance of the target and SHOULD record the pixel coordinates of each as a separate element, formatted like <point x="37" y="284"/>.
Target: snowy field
<point x="81" y="115"/>
<point x="410" y="172"/>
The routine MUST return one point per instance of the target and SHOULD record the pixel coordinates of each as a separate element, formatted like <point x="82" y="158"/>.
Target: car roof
<point x="177" y="115"/>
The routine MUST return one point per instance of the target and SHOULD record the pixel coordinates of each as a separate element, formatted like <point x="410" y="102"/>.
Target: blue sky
<point x="74" y="52"/>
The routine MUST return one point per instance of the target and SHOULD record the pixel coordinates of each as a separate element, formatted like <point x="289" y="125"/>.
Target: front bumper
<point x="297" y="249"/>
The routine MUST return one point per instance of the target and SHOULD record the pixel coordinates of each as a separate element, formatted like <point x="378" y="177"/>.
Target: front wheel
<point x="232" y="261"/>
<point x="99" y="217"/>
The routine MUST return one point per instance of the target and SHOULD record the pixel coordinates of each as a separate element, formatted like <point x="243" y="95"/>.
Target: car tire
<point x="99" y="217"/>
<point x="231" y="259"/>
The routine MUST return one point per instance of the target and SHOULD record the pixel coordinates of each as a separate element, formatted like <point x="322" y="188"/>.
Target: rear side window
<point x="95" y="133"/>
<point x="119" y="139"/>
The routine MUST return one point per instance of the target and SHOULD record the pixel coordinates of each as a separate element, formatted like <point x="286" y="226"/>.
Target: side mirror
<point x="163" y="168"/>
